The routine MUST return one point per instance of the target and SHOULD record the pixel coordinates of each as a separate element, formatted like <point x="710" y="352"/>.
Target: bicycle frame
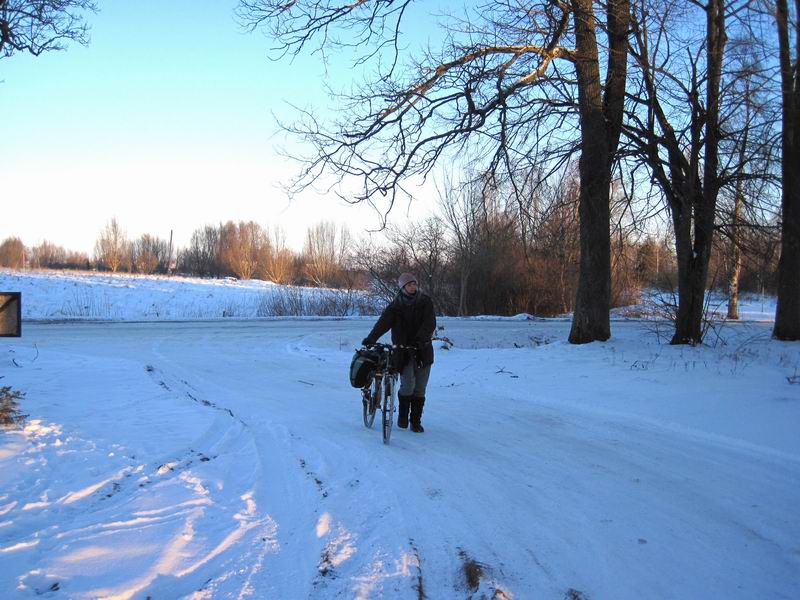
<point x="382" y="389"/>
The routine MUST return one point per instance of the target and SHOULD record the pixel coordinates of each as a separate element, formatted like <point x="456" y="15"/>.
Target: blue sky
<point x="164" y="121"/>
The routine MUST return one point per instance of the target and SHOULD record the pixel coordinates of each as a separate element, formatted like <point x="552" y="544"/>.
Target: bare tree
<point x="150" y="254"/>
<point x="501" y="83"/>
<point x="736" y="248"/>
<point x="654" y="261"/>
<point x="244" y="248"/>
<point x="76" y="260"/>
<point x="48" y="255"/>
<point x="549" y="229"/>
<point x="555" y="246"/>
<point x="424" y="248"/>
<point x="677" y="131"/>
<point x="749" y="149"/>
<point x="202" y="256"/>
<point x="111" y="248"/>
<point x="383" y="263"/>
<point x="51" y="256"/>
<point x="325" y="252"/>
<point x="736" y="216"/>
<point x="280" y="260"/>
<point x="697" y="120"/>
<point x="12" y="253"/>
<point x="501" y="284"/>
<point x="37" y="26"/>
<point x="227" y="247"/>
<point x="462" y="207"/>
<point x="787" y="314"/>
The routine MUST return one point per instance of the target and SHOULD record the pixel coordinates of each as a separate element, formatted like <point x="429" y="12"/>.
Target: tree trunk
<point x="693" y="259"/>
<point x="736" y="258"/>
<point x="593" y="302"/>
<point x="787" y="313"/>
<point x="736" y="217"/>
<point x="462" y="292"/>
<point x="736" y="250"/>
<point x="600" y="120"/>
<point x="691" y="279"/>
<point x="562" y="282"/>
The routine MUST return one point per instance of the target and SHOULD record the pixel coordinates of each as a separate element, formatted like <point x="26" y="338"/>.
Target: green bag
<point x="362" y="367"/>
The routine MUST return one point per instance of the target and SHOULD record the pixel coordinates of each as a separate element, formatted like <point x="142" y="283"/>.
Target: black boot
<point x="402" y="415"/>
<point x="417" y="402"/>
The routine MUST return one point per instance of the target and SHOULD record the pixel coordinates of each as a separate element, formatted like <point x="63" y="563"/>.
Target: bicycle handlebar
<point x="381" y="346"/>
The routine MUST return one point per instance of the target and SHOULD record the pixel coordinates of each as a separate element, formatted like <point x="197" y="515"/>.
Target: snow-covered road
<point x="228" y="460"/>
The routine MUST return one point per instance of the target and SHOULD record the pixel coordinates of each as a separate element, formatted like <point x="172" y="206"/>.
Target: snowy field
<point x="69" y="295"/>
<point x="227" y="459"/>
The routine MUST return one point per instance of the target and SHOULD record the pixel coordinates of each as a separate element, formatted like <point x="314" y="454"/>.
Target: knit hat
<point x="405" y="279"/>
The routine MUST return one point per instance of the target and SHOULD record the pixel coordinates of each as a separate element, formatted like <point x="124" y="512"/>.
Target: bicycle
<point x="381" y="390"/>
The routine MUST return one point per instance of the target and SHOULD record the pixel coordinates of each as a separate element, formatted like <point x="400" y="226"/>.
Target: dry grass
<point x="9" y="406"/>
<point x="472" y="570"/>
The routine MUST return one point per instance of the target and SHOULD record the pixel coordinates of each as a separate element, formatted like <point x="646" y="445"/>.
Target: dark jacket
<point x="412" y="324"/>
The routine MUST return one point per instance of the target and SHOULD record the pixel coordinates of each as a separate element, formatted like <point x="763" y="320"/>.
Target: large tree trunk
<point x="590" y="320"/>
<point x="692" y="254"/>
<point x="600" y="120"/>
<point x="692" y="275"/>
<point x="787" y="314"/>
<point x="693" y="258"/>
<point x="682" y="224"/>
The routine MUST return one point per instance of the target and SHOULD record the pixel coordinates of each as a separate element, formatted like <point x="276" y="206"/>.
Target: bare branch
<point x="37" y="26"/>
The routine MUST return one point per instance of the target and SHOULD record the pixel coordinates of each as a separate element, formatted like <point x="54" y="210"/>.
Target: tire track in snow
<point x="219" y="536"/>
<point x="108" y="510"/>
<point x="181" y="385"/>
<point x="265" y="543"/>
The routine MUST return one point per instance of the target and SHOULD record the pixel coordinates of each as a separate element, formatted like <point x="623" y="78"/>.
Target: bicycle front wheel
<point x="370" y="401"/>
<point x="389" y="401"/>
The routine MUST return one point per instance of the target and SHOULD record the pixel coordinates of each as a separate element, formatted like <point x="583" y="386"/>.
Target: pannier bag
<point x="362" y="367"/>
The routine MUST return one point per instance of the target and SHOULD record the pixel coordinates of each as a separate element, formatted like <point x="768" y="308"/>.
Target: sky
<point x="166" y="121"/>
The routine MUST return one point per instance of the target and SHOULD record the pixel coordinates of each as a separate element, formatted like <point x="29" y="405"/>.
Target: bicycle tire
<point x="389" y="401"/>
<point x="370" y="400"/>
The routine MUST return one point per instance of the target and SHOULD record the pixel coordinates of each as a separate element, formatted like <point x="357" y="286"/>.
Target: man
<point x="412" y="320"/>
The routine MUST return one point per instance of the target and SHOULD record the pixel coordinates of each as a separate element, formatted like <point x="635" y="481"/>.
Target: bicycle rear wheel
<point x="370" y="398"/>
<point x="389" y="401"/>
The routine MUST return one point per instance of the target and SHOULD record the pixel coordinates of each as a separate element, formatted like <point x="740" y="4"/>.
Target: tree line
<point x="474" y="255"/>
<point x="244" y="250"/>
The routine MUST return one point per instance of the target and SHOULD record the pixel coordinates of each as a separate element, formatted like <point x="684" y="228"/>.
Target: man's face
<point x="410" y="288"/>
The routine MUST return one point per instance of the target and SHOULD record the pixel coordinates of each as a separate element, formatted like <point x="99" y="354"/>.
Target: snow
<point x="226" y="458"/>
<point x="67" y="295"/>
<point x="752" y="307"/>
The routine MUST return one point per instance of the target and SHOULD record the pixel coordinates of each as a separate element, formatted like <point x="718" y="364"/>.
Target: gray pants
<point x="414" y="379"/>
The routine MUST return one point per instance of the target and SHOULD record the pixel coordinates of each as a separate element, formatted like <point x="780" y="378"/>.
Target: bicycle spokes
<point x="369" y="401"/>
<point x="389" y="393"/>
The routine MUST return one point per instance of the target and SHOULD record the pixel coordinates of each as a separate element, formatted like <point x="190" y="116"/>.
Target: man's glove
<point x="366" y="342"/>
